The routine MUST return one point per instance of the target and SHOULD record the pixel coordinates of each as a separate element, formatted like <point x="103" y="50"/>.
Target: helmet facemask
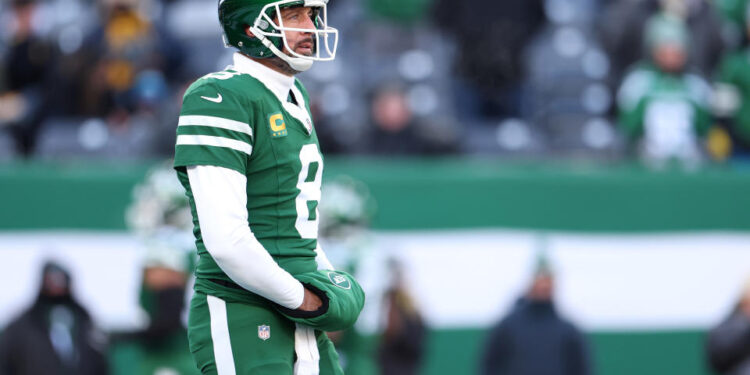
<point x="322" y="35"/>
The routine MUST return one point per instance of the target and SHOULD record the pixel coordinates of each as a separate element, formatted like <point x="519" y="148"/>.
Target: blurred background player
<point x="55" y="335"/>
<point x="534" y="339"/>
<point x="160" y="215"/>
<point x="346" y="211"/>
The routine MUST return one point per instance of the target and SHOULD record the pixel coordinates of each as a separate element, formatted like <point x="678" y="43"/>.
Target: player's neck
<point x="276" y="64"/>
<point x="277" y="82"/>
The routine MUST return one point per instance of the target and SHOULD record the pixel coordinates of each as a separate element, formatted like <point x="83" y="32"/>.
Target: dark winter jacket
<point x="728" y="345"/>
<point x="53" y="337"/>
<point x="534" y="340"/>
<point x="401" y="350"/>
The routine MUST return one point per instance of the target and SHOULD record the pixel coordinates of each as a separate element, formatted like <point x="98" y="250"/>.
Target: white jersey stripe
<point x="216" y="122"/>
<point x="207" y="140"/>
<point x="217" y="310"/>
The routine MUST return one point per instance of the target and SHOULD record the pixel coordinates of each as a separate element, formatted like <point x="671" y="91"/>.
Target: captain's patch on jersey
<point x="278" y="127"/>
<point x="264" y="332"/>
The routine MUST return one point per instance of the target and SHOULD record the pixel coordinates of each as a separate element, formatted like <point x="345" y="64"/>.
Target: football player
<point x="247" y="154"/>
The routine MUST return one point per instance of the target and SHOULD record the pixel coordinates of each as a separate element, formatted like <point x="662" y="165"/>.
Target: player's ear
<point x="248" y="32"/>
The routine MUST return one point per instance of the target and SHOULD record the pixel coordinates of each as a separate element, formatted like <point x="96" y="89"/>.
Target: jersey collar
<point x="278" y="83"/>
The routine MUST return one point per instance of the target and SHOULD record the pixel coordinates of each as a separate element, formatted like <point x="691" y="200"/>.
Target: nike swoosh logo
<point x="217" y="99"/>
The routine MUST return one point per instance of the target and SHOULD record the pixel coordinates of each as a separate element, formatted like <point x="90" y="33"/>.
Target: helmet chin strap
<point x="297" y="63"/>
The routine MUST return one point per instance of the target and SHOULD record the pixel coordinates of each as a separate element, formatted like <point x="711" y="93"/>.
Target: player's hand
<point x="311" y="301"/>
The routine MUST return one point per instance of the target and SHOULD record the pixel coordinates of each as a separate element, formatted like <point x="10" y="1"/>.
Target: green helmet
<point x="269" y="39"/>
<point x="345" y="207"/>
<point x="159" y="202"/>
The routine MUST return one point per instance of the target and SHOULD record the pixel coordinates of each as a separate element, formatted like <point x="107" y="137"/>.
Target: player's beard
<point x="283" y="66"/>
<point x="306" y="40"/>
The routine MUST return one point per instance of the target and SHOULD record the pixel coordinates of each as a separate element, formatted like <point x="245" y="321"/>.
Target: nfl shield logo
<point x="264" y="332"/>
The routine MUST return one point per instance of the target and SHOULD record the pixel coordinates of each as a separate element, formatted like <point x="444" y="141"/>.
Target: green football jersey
<point x="651" y="101"/>
<point x="231" y="119"/>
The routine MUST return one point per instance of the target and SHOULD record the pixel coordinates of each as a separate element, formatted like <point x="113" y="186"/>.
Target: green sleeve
<point x="631" y="100"/>
<point x="700" y="93"/>
<point x="631" y="119"/>
<point x="702" y="120"/>
<point x="214" y="128"/>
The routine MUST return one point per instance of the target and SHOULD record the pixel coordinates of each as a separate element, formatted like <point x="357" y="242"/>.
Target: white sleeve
<point x="322" y="259"/>
<point x="221" y="199"/>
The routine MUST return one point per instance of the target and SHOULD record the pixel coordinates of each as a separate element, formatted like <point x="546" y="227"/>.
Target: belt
<point x="227" y="284"/>
<point x="232" y="290"/>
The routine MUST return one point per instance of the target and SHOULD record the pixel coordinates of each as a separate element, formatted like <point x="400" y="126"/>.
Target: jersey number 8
<point x="308" y="184"/>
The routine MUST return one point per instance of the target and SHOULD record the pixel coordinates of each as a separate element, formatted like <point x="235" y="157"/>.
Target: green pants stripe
<point x="238" y="338"/>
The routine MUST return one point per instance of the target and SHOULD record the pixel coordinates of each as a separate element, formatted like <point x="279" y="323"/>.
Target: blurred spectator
<point x="490" y="36"/>
<point x="534" y="339"/>
<point x="29" y="62"/>
<point x="396" y="130"/>
<point x="733" y="92"/>
<point x="127" y="71"/>
<point x="393" y="123"/>
<point x="64" y="65"/>
<point x="403" y="344"/>
<point x="123" y="46"/>
<point x="662" y="107"/>
<point x="624" y="24"/>
<point x="55" y="336"/>
<point x="566" y="96"/>
<point x="728" y="344"/>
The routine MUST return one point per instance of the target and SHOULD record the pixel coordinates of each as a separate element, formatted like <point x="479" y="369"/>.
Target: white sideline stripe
<point x="217" y="310"/>
<point x="207" y="140"/>
<point x="216" y="122"/>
